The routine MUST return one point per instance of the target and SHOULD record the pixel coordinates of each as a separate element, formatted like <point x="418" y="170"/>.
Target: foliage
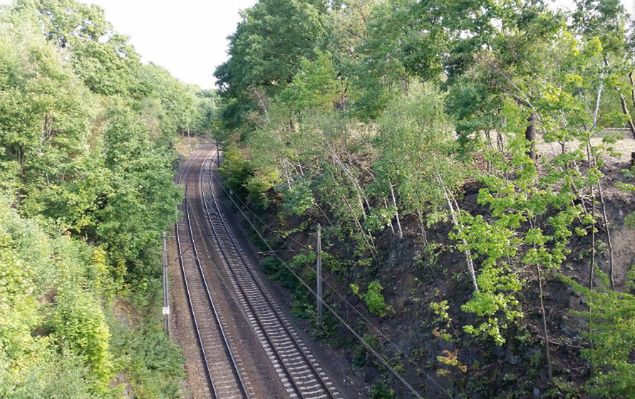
<point x="440" y="309"/>
<point x="298" y="200"/>
<point x="495" y="301"/>
<point x="204" y="117"/>
<point x="611" y="318"/>
<point x="36" y="266"/>
<point x="265" y="51"/>
<point x="377" y="124"/>
<point x="81" y="325"/>
<point x="177" y="105"/>
<point x="314" y="87"/>
<point x="236" y="170"/>
<point x="86" y="168"/>
<point x="373" y="298"/>
<point x="415" y="142"/>
<point x="154" y="363"/>
<point x="381" y="391"/>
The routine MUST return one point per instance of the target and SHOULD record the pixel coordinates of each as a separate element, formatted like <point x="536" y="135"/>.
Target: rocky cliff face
<point x="424" y="282"/>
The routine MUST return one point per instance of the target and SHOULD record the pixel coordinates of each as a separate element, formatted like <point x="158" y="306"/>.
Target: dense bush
<point x="86" y="188"/>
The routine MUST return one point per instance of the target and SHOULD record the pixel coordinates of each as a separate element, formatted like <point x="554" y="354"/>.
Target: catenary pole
<point x="319" y="274"/>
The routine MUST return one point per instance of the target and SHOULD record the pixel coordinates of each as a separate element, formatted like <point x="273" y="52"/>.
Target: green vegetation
<point x="86" y="169"/>
<point x="471" y="131"/>
<point x="368" y="116"/>
<point x="373" y="298"/>
<point x="611" y="318"/>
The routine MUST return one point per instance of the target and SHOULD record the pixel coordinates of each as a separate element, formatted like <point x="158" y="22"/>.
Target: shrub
<point x="373" y="298"/>
<point x="79" y="324"/>
<point x="382" y="391"/>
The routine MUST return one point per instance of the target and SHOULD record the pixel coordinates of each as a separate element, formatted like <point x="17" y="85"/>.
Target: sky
<point x="189" y="37"/>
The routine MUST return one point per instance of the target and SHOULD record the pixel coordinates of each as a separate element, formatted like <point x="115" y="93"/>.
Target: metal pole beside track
<point x="319" y="275"/>
<point x="166" y="298"/>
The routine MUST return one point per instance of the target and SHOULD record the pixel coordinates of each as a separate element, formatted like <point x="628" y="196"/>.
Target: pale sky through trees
<point x="189" y="37"/>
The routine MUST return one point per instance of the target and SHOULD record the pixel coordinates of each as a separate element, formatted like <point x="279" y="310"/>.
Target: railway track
<point x="298" y="370"/>
<point x="221" y="366"/>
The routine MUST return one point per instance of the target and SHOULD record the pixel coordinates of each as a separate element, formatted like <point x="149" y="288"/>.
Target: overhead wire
<point x="329" y="307"/>
<point x="328" y="285"/>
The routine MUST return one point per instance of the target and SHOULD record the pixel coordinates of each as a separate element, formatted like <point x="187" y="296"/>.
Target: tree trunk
<point x="285" y="172"/>
<point x="626" y="113"/>
<point x="392" y="228"/>
<point x="361" y="196"/>
<point x="608" y="235"/>
<point x="488" y="137"/>
<point x="500" y="143"/>
<point x="394" y="202"/>
<point x="598" y="100"/>
<point x="592" y="266"/>
<point x="423" y="229"/>
<point x="605" y="219"/>
<point x="367" y="238"/>
<point x="630" y="78"/>
<point x="544" y="325"/>
<point x="455" y="221"/>
<point x="261" y="103"/>
<point x="530" y="136"/>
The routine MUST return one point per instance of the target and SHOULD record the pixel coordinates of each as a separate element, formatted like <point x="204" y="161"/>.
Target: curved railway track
<point x="221" y="367"/>
<point x="299" y="371"/>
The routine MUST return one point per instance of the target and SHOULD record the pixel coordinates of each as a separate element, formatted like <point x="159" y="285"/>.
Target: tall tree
<point x="103" y="58"/>
<point x="265" y="53"/>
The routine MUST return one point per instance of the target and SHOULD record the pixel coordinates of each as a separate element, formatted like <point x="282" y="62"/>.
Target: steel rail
<point x="249" y="299"/>
<point x="235" y="371"/>
<point x="201" y="347"/>
<point x="250" y="307"/>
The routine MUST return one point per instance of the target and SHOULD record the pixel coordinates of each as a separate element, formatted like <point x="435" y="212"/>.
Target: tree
<point x="35" y="266"/>
<point x="86" y="169"/>
<point x="176" y="102"/>
<point x="414" y="147"/>
<point x="101" y="57"/>
<point x="613" y="319"/>
<point x="206" y="111"/>
<point x="265" y="53"/>
<point x="45" y="119"/>
<point x="405" y="105"/>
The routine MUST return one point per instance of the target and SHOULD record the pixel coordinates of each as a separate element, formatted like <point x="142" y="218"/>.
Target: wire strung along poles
<point x="297" y="368"/>
<point x="442" y="391"/>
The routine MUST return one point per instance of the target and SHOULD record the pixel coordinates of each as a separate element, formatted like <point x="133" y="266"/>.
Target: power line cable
<point x="337" y="316"/>
<point x="374" y="327"/>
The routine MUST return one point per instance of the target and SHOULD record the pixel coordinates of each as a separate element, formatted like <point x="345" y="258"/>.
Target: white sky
<point x="189" y="37"/>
